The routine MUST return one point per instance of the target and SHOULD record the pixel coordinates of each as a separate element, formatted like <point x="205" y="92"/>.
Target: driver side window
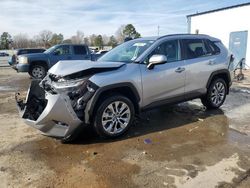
<point x="63" y="50"/>
<point x="169" y="48"/>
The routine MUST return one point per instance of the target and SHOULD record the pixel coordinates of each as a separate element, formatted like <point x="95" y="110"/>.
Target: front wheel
<point x="216" y="94"/>
<point x="114" y="116"/>
<point x="37" y="71"/>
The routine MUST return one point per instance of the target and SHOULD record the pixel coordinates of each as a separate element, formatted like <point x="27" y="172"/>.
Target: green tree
<point x="5" y="40"/>
<point x="98" y="41"/>
<point x="86" y="41"/>
<point x="130" y="31"/>
<point x="112" y="41"/>
<point x="137" y="35"/>
<point x="56" y="39"/>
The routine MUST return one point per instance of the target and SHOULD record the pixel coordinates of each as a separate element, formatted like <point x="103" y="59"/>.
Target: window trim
<point x="213" y="44"/>
<point x="70" y="51"/>
<point x="158" y="44"/>
<point x="185" y="52"/>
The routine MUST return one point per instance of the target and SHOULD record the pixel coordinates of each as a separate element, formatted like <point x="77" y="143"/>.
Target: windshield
<point x="127" y="52"/>
<point x="51" y="49"/>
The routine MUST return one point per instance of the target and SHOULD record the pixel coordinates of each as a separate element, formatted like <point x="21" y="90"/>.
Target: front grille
<point x="34" y="108"/>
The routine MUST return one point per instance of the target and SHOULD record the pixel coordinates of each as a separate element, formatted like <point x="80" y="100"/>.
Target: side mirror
<point x="156" y="60"/>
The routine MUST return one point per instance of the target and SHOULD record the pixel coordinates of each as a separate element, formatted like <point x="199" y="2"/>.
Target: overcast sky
<point x="101" y="16"/>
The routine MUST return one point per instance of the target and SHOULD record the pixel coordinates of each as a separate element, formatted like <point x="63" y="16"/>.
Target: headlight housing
<point x="23" y="60"/>
<point x="67" y="84"/>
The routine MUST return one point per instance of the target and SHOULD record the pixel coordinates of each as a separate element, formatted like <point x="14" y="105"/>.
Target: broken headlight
<point x="66" y="84"/>
<point x="80" y="97"/>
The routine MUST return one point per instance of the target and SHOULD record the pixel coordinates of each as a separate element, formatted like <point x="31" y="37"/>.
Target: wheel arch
<point x="39" y="62"/>
<point x="126" y="89"/>
<point x="224" y="74"/>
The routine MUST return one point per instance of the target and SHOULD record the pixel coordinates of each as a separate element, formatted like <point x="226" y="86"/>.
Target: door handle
<point x="179" y="69"/>
<point x="211" y="63"/>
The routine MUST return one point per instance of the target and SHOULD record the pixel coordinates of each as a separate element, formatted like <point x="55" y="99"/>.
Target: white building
<point x="230" y="24"/>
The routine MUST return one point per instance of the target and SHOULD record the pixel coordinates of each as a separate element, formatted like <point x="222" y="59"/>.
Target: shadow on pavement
<point x="160" y="119"/>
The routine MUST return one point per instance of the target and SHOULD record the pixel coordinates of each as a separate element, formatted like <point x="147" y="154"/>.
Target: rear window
<point x="80" y="50"/>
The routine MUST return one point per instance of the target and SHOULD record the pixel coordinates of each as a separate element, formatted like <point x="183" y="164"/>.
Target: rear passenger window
<point x="194" y="48"/>
<point x="80" y="50"/>
<point x="212" y="48"/>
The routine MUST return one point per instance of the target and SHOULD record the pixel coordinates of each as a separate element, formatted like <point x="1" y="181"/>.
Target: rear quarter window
<point x="212" y="48"/>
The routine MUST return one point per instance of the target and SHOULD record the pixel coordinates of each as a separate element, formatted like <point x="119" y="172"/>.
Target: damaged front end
<point x="56" y="104"/>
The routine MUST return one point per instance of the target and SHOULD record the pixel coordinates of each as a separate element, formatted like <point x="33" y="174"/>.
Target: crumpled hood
<point x="63" y="68"/>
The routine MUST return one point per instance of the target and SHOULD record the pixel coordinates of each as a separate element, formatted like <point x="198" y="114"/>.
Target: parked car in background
<point x="135" y="76"/>
<point x="14" y="58"/>
<point x="100" y="53"/>
<point x="3" y="54"/>
<point x="93" y="50"/>
<point x="38" y="64"/>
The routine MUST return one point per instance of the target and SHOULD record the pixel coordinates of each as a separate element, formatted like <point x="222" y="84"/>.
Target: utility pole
<point x="158" y="28"/>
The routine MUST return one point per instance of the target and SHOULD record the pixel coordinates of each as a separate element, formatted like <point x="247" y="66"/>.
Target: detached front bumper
<point x="52" y="114"/>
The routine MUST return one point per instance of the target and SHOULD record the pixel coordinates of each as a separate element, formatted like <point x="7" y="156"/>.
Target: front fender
<point x="39" y="59"/>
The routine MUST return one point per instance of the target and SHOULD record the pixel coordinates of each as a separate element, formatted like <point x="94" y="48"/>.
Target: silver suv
<point x="135" y="76"/>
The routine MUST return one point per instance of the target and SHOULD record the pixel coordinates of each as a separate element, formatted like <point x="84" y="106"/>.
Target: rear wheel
<point x="216" y="94"/>
<point x="38" y="71"/>
<point x="114" y="116"/>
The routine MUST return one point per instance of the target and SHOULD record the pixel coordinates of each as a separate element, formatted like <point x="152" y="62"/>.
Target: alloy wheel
<point x="116" y="117"/>
<point x="218" y="93"/>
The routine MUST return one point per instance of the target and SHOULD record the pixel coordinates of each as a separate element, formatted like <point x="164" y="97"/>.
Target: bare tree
<point x="78" y="38"/>
<point x="33" y="44"/>
<point x="119" y="34"/>
<point x="45" y="36"/>
<point x="37" y="41"/>
<point x="21" y="41"/>
<point x="92" y="39"/>
<point x="105" y="39"/>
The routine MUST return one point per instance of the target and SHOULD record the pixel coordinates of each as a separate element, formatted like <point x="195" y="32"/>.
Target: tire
<point x="216" y="94"/>
<point x="117" y="112"/>
<point x="38" y="71"/>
